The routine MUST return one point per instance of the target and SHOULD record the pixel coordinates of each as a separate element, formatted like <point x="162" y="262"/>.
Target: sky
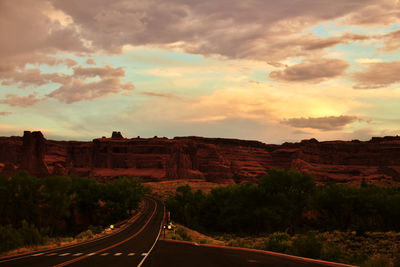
<point x="273" y="71"/>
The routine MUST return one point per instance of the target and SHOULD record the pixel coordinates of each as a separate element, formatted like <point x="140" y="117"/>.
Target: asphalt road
<point x="128" y="247"/>
<point x="167" y="253"/>
<point x="131" y="246"/>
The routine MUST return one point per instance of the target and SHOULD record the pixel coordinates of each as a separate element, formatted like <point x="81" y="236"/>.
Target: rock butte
<point x="216" y="160"/>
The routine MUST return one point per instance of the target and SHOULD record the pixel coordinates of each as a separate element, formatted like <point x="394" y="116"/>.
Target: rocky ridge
<point x="218" y="160"/>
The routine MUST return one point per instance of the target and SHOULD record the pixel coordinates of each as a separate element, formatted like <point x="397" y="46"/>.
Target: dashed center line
<point x="64" y="254"/>
<point x="91" y="254"/>
<point x="77" y="254"/>
<point x="144" y="254"/>
<point x="35" y="255"/>
<point x="118" y="254"/>
<point x="131" y="254"/>
<point x="51" y="254"/>
<point x="104" y="254"/>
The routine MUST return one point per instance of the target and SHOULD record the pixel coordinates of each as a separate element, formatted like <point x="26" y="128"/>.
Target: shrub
<point x="30" y="234"/>
<point x="332" y="252"/>
<point x="278" y="242"/>
<point x="182" y="233"/>
<point x="10" y="238"/>
<point x="377" y="261"/>
<point x="240" y="242"/>
<point x="308" y="245"/>
<point x="85" y="235"/>
<point x="96" y="229"/>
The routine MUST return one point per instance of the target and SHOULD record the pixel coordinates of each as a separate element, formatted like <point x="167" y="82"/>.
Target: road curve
<point x="128" y="247"/>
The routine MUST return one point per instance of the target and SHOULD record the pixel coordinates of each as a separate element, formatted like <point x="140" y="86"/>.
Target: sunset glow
<point x="273" y="71"/>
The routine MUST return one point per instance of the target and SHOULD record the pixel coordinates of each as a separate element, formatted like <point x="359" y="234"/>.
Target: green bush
<point x="85" y="235"/>
<point x="10" y="238"/>
<point x="308" y="245"/>
<point x="96" y="229"/>
<point x="30" y="234"/>
<point x="240" y="242"/>
<point x="377" y="261"/>
<point x="182" y="233"/>
<point x="278" y="242"/>
<point x="332" y="252"/>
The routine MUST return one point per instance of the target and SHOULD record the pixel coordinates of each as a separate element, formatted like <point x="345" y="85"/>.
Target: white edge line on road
<point x="158" y="236"/>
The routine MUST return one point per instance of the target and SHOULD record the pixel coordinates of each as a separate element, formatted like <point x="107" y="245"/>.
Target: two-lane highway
<point x="128" y="247"/>
<point x="131" y="246"/>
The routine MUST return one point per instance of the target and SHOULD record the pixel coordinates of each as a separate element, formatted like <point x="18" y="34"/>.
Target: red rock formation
<point x="212" y="159"/>
<point x="116" y="135"/>
<point x="32" y="154"/>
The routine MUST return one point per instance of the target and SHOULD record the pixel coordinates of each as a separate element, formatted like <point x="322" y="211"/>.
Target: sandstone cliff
<point x="216" y="160"/>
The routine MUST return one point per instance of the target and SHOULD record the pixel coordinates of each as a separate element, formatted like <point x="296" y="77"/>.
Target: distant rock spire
<point x="116" y="135"/>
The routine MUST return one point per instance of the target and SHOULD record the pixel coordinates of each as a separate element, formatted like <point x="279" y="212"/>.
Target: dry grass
<point x="183" y="233"/>
<point x="166" y="189"/>
<point x="51" y="243"/>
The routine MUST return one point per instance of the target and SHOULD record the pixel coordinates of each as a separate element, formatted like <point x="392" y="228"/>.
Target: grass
<point x="52" y="243"/>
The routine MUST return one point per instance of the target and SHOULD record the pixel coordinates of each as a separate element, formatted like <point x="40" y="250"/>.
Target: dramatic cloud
<point x="20" y="101"/>
<point x="73" y="87"/>
<point x="5" y="113"/>
<point x="319" y="43"/>
<point x="322" y="123"/>
<point x="377" y="75"/>
<point x="30" y="36"/>
<point x="214" y="54"/>
<point x="383" y="13"/>
<point x="78" y="90"/>
<point x="257" y="30"/>
<point x="311" y="71"/>
<point x="102" y="72"/>
<point x="27" y="29"/>
<point x="33" y="77"/>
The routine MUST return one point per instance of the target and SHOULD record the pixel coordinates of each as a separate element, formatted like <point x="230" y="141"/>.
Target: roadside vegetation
<point x="60" y="208"/>
<point x="287" y="212"/>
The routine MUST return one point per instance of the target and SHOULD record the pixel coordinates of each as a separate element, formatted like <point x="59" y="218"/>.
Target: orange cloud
<point x="20" y="101"/>
<point x="311" y="71"/>
<point x="377" y="75"/>
<point x="329" y="123"/>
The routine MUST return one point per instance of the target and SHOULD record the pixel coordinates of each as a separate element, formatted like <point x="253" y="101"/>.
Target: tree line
<point x="287" y="201"/>
<point x="61" y="205"/>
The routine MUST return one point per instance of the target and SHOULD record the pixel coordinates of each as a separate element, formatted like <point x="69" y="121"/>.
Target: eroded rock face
<point x="211" y="159"/>
<point x="32" y="154"/>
